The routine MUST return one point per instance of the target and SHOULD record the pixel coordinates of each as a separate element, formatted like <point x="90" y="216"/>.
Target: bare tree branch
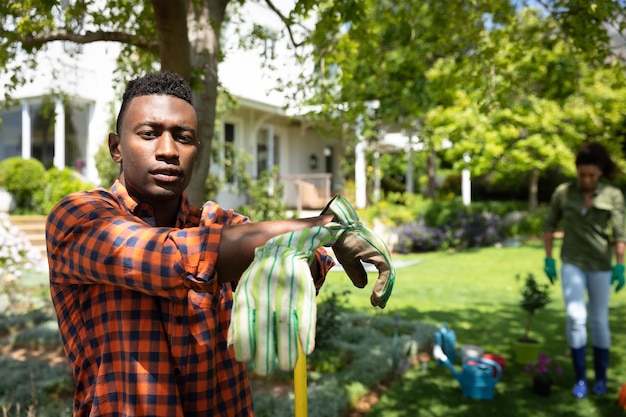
<point x="288" y="23"/>
<point x="90" y="37"/>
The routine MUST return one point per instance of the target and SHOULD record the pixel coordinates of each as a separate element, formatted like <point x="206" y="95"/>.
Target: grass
<point x="477" y="294"/>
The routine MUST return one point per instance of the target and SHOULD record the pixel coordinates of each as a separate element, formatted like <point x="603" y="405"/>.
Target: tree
<point x="430" y="64"/>
<point x="534" y="104"/>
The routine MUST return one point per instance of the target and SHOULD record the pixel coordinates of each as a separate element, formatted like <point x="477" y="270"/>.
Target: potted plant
<point x="535" y="296"/>
<point x="544" y="371"/>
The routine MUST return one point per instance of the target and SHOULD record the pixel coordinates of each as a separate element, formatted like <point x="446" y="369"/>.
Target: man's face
<point x="157" y="147"/>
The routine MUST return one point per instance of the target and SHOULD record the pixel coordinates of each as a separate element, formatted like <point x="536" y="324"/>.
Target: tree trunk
<point x="174" y="48"/>
<point x="432" y="172"/>
<point x="189" y="44"/>
<point x="533" y="186"/>
<point x="205" y="22"/>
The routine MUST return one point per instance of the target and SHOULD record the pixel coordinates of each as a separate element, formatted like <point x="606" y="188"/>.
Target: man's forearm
<point x="238" y="242"/>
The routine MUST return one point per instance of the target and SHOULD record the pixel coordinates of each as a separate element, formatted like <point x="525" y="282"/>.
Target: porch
<point x="306" y="191"/>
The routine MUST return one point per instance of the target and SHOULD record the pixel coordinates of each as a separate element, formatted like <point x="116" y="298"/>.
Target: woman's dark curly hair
<point x="594" y="153"/>
<point x="159" y="83"/>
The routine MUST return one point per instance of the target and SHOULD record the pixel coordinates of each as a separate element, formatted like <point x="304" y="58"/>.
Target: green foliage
<point x="263" y="204"/>
<point x="58" y="184"/>
<point x="535" y="296"/>
<point x="35" y="387"/>
<point x="108" y="169"/>
<point x="23" y="179"/>
<point x="36" y="190"/>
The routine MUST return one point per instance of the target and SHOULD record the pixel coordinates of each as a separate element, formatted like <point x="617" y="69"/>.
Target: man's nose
<point x="166" y="146"/>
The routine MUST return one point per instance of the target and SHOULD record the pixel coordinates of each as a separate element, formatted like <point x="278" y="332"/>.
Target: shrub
<point x="108" y="169"/>
<point x="58" y="184"/>
<point x="16" y="252"/>
<point x="417" y="237"/>
<point x="23" y="179"/>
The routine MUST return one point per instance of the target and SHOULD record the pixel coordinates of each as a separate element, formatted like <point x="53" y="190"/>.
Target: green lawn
<point x="476" y="293"/>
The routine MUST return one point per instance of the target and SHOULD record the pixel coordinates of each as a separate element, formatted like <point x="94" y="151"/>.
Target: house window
<point x="76" y="118"/>
<point x="10" y="133"/>
<point x="42" y="132"/>
<point x="267" y="153"/>
<point x="229" y="153"/>
<point x="40" y="142"/>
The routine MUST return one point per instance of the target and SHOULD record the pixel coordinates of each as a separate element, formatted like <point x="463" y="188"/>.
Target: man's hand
<point x="617" y="275"/>
<point x="549" y="267"/>
<point x="358" y="244"/>
<point x="274" y="302"/>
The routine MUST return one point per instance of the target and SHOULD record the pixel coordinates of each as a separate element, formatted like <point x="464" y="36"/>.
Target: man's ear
<point x="114" y="147"/>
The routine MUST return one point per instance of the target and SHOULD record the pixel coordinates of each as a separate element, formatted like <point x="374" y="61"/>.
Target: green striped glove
<point x="359" y="243"/>
<point x="274" y="303"/>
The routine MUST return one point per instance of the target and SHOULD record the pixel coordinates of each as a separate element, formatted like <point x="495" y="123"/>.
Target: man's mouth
<point x="167" y="175"/>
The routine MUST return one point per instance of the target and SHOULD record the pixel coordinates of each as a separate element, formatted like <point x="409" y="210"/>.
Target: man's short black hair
<point x="158" y="83"/>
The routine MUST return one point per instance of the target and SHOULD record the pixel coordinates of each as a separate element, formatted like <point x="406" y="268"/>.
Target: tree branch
<point x="288" y="22"/>
<point x="90" y="37"/>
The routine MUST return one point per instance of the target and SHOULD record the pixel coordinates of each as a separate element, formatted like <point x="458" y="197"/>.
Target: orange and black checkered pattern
<point x="142" y="316"/>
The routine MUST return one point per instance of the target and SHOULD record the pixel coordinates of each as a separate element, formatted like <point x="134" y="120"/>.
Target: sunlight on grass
<point x="477" y="294"/>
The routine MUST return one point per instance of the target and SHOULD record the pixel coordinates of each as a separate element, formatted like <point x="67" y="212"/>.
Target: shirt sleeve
<point x="92" y="239"/>
<point x="617" y="217"/>
<point x="554" y="215"/>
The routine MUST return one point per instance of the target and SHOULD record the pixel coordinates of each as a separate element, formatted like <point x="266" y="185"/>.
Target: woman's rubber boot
<point x="579" y="360"/>
<point x="600" y="364"/>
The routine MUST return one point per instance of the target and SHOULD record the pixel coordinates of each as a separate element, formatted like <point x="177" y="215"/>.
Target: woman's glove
<point x="549" y="267"/>
<point x="358" y="244"/>
<point x="617" y="275"/>
<point x="274" y="303"/>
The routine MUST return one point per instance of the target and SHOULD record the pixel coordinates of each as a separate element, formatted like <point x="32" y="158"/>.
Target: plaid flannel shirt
<point x="142" y="317"/>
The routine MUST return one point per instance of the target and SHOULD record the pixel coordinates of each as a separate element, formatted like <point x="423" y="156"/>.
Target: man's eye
<point x="148" y="134"/>
<point x="186" y="139"/>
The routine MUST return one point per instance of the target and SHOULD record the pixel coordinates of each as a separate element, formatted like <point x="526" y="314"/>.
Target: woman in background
<point x="591" y="214"/>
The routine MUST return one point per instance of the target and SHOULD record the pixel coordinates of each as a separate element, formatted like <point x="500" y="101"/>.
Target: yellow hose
<point x="299" y="385"/>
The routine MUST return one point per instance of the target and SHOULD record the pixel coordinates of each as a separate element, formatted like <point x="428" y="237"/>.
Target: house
<point x="67" y="133"/>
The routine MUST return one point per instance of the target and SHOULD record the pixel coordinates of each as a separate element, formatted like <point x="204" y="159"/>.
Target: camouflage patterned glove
<point x="357" y="244"/>
<point x="274" y="303"/>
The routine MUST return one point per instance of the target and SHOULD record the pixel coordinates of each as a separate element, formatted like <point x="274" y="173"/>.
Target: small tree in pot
<point x="535" y="296"/>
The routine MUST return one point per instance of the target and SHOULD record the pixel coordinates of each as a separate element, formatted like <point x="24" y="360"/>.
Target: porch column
<point x="466" y="185"/>
<point x="59" y="134"/>
<point x="360" y="177"/>
<point x="26" y="132"/>
<point x="270" y="157"/>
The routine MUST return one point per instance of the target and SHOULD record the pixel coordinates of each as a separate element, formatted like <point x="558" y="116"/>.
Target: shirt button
<point x="179" y="319"/>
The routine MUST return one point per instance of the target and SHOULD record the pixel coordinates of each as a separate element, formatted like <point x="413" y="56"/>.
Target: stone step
<point x="34" y="227"/>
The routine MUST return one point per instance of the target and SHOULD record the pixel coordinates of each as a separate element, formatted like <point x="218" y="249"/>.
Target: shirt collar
<point x="146" y="211"/>
<point x="599" y="187"/>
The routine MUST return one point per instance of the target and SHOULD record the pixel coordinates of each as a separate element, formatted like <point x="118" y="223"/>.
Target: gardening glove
<point x="549" y="267"/>
<point x="274" y="303"/>
<point x="361" y="244"/>
<point x="617" y="275"/>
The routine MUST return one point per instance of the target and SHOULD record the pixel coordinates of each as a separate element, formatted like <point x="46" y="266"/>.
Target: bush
<point x="416" y="237"/>
<point x="108" y="169"/>
<point x="58" y="184"/>
<point x="23" y="179"/>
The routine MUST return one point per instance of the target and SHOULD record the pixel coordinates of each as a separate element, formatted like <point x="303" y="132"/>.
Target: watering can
<point x="477" y="377"/>
<point x="446" y="338"/>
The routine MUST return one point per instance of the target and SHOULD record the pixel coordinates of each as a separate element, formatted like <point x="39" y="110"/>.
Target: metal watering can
<point x="476" y="377"/>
